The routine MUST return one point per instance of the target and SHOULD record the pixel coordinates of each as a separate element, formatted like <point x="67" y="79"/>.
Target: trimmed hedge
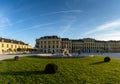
<point x="107" y="59"/>
<point x="51" y="68"/>
<point x="16" y="58"/>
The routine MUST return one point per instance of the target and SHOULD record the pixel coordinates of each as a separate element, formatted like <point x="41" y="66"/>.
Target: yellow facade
<point x="50" y="44"/>
<point x="7" y="46"/>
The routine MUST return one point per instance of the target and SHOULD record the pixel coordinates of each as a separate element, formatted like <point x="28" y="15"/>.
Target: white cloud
<point x="66" y="11"/>
<point x="67" y="27"/>
<point x="37" y="26"/>
<point x="111" y="25"/>
<point x="105" y="27"/>
<point x="4" y="21"/>
<point x="113" y="35"/>
<point x="30" y="28"/>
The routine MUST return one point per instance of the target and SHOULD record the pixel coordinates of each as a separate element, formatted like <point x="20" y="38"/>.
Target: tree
<point x="19" y="49"/>
<point x="9" y="50"/>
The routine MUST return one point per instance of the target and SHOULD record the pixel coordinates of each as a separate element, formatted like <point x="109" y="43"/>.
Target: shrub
<point x="51" y="68"/>
<point x="16" y="58"/>
<point x="107" y="59"/>
<point x="0" y="61"/>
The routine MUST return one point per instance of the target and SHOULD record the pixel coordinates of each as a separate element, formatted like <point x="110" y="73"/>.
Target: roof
<point x="50" y="37"/>
<point x="12" y="41"/>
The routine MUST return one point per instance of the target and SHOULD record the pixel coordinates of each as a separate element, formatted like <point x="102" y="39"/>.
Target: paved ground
<point x="3" y="56"/>
<point x="114" y="55"/>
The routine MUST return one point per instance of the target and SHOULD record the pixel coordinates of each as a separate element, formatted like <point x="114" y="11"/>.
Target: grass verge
<point x="89" y="70"/>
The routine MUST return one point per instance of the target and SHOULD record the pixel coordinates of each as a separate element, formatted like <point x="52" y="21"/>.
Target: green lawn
<point x="89" y="70"/>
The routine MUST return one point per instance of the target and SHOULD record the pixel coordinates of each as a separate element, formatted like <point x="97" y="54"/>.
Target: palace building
<point x="8" y="45"/>
<point x="55" y="44"/>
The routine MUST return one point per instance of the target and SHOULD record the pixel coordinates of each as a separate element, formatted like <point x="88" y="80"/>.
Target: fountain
<point x="66" y="52"/>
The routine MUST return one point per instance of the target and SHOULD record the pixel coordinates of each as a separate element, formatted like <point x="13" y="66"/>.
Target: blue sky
<point x="27" y="20"/>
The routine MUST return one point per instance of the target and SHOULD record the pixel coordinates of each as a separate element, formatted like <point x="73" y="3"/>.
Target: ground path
<point x="114" y="55"/>
<point x="4" y="56"/>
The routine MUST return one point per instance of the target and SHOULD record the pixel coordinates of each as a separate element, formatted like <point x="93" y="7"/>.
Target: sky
<point x="27" y="20"/>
